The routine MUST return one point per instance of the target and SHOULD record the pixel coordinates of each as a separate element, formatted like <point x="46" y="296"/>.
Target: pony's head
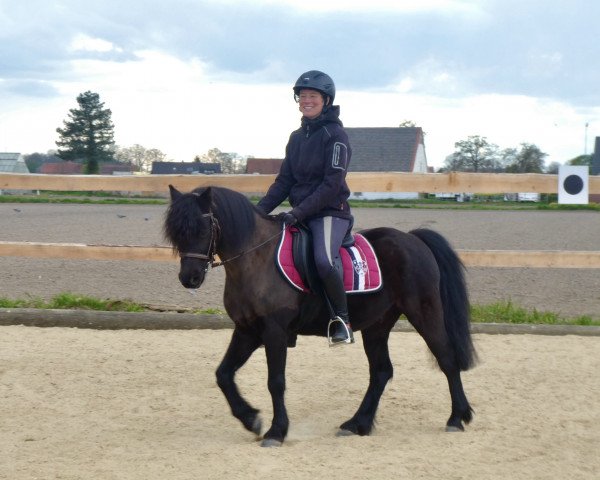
<point x="192" y="230"/>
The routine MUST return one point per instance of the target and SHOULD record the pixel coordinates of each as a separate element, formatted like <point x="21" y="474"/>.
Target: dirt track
<point x="143" y="405"/>
<point x="86" y="404"/>
<point x="569" y="292"/>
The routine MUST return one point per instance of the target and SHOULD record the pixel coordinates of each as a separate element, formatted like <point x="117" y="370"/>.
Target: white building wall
<point x="420" y="160"/>
<point x="419" y="167"/>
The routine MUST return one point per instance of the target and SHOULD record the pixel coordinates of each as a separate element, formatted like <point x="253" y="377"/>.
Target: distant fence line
<point x="453" y="182"/>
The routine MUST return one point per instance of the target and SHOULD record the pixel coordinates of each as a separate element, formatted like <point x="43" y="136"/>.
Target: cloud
<point x="404" y="6"/>
<point x="28" y="88"/>
<point x="85" y="43"/>
<point x="187" y="76"/>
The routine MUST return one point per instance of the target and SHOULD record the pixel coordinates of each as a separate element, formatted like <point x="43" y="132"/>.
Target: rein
<point x="209" y="256"/>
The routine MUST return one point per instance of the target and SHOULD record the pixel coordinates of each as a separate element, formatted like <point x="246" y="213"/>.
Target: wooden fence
<point x="455" y="182"/>
<point x="365" y="182"/>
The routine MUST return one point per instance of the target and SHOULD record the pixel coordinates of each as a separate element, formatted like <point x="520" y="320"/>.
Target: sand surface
<point x="84" y="404"/>
<point x="87" y="404"/>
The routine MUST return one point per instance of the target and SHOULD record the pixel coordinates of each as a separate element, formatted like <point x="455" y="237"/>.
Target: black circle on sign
<point x="573" y="184"/>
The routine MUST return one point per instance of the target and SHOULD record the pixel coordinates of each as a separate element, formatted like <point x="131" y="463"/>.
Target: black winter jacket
<point x="313" y="173"/>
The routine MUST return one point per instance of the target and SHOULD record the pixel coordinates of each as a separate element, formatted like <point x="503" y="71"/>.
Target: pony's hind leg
<point x="430" y="325"/>
<point x="240" y="349"/>
<point x="375" y="343"/>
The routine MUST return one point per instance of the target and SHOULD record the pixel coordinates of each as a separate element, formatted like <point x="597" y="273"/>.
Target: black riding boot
<point x="339" y="329"/>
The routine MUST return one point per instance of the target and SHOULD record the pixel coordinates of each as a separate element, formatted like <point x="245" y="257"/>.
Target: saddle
<point x="295" y="261"/>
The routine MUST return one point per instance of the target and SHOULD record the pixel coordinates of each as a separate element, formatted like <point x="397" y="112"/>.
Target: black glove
<point x="287" y="218"/>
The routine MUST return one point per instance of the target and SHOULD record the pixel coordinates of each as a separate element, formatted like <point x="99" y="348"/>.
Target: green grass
<point x="70" y="301"/>
<point x="503" y="312"/>
<point x="506" y="312"/>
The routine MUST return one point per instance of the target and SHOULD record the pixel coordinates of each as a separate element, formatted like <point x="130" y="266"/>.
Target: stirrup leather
<point x="349" y="336"/>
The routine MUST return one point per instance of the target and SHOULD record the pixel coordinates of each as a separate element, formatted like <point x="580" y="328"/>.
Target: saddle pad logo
<point x="360" y="266"/>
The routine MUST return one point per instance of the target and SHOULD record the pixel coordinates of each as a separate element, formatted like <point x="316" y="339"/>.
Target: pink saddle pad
<point x="362" y="273"/>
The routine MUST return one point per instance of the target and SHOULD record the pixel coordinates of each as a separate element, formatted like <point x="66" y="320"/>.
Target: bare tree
<point x="475" y="154"/>
<point x="230" y="162"/>
<point x="528" y="159"/>
<point x="139" y="157"/>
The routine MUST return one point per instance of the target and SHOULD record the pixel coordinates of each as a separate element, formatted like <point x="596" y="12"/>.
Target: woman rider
<point x="313" y="178"/>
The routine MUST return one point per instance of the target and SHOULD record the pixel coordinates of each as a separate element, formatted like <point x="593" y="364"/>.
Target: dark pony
<point x="423" y="279"/>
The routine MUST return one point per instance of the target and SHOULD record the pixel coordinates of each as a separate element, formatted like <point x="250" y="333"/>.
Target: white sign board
<point x="573" y="184"/>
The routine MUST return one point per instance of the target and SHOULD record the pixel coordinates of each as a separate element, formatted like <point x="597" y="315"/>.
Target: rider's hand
<point x="287" y="218"/>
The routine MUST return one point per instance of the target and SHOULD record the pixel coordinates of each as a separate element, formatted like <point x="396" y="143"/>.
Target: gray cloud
<point x="539" y="48"/>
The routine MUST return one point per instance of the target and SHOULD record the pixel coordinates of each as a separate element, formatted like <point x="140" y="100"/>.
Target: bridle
<point x="215" y="231"/>
<point x="209" y="256"/>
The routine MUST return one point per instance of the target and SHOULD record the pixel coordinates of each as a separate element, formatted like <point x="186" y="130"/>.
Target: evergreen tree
<point x="88" y="133"/>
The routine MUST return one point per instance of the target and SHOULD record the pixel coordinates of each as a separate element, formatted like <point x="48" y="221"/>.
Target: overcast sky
<point x="185" y="76"/>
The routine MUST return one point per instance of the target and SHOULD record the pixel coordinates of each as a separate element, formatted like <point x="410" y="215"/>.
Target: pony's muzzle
<point x="191" y="281"/>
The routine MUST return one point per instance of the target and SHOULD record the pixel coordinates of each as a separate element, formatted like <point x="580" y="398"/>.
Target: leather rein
<point x="215" y="231"/>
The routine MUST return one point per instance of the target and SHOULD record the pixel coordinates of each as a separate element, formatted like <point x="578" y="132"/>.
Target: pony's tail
<point x="453" y="292"/>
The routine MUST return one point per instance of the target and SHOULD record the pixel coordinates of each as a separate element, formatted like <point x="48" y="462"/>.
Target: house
<point x="12" y="163"/>
<point x="185" y="168"/>
<point x="387" y="149"/>
<point x="373" y="150"/>
<point x="595" y="197"/>
<point x="263" y="166"/>
<point x="61" y="168"/>
<point x="75" y="168"/>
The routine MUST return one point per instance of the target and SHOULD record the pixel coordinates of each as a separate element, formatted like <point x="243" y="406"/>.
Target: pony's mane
<point x="234" y="212"/>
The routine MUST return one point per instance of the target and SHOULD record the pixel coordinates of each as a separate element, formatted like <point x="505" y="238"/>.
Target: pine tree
<point x="88" y="133"/>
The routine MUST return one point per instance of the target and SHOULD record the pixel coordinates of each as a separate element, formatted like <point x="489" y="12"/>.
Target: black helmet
<point x="316" y="80"/>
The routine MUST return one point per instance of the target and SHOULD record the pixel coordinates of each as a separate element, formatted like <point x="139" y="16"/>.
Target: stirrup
<point x="349" y="336"/>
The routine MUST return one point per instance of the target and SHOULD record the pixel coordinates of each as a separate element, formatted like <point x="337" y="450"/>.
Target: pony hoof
<point x="270" y="442"/>
<point x="452" y="429"/>
<point x="342" y="432"/>
<point x="257" y="426"/>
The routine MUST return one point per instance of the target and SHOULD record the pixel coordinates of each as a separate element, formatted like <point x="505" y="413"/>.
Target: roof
<point x="374" y="149"/>
<point x="61" y="168"/>
<point x="12" y="163"/>
<point x="186" y="168"/>
<point x="388" y="149"/>
<point x="263" y="166"/>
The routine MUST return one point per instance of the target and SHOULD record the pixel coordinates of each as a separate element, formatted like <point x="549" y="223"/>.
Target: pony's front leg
<point x="275" y="341"/>
<point x="241" y="347"/>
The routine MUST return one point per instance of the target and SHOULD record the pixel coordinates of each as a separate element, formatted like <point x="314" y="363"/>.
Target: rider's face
<point x="310" y="103"/>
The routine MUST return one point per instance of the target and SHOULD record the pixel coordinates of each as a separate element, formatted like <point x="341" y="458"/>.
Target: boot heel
<point x="339" y="332"/>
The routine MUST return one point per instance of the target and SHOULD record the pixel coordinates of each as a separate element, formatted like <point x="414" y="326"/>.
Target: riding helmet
<point x="316" y="80"/>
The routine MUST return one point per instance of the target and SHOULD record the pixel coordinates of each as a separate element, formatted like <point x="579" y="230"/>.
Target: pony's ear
<point x="205" y="198"/>
<point x="175" y="194"/>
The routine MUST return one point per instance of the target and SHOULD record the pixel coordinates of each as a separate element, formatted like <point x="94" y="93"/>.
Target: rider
<point x="313" y="178"/>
